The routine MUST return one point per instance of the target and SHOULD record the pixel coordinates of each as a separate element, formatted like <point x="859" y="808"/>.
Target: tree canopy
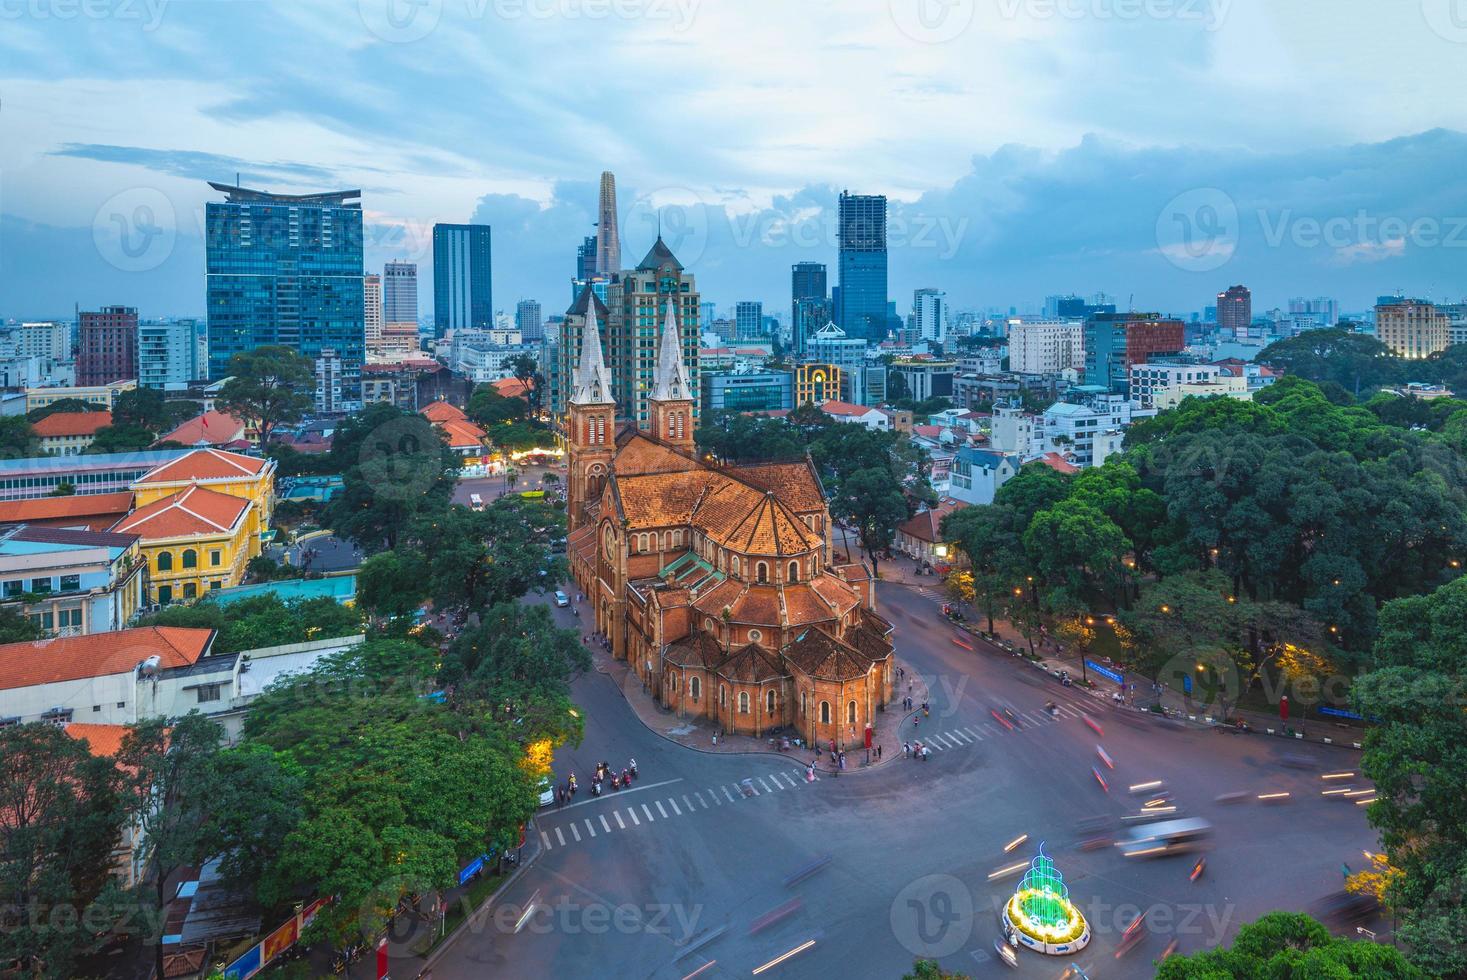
<point x="268" y="387"/>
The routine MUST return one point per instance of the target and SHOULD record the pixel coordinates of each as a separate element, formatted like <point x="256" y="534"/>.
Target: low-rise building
<point x="103" y="396"/>
<point x="44" y="476"/>
<point x="747" y="391"/>
<point x="871" y="418"/>
<point x="1223" y="386"/>
<point x="196" y="541"/>
<point x="71" y="582"/>
<point x="69" y="433"/>
<point x="214" y="428"/>
<point x="926" y="377"/>
<point x="920" y="538"/>
<point x="77" y="512"/>
<point x="978" y="473"/>
<point x="1148" y="380"/>
<point x="816" y="384"/>
<point x="467" y="440"/>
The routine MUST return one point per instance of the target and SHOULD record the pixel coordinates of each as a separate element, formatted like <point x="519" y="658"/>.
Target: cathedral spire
<point x="672" y="384"/>
<point x="591" y="381"/>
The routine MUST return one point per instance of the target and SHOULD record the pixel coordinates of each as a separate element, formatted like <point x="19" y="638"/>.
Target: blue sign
<point x="1106" y="672"/>
<point x="1186" y="683"/>
<point x="247" y="965"/>
<point x="471" y="869"/>
<point x="1340" y="713"/>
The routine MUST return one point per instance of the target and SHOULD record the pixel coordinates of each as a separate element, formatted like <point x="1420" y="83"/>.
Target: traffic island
<point x="1041" y="914"/>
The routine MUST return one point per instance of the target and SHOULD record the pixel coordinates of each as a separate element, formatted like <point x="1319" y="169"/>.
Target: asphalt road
<point x="686" y="872"/>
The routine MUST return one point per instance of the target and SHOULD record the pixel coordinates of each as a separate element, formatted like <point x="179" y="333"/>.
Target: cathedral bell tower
<point x="590" y="423"/>
<point x="670" y="406"/>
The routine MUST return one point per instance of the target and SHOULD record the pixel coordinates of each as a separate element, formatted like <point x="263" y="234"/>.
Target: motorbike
<point x="1198" y="868"/>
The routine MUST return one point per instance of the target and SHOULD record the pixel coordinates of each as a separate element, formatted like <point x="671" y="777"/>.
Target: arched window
<point x="743" y="702"/>
<point x="733" y="565"/>
<point x="722" y="696"/>
<point x="695" y="687"/>
<point x="761" y="571"/>
<point x="851" y="713"/>
<point x="165" y="561"/>
<point x="794" y="571"/>
<point x="803" y="695"/>
<point x="824" y="712"/>
<point x="769" y="701"/>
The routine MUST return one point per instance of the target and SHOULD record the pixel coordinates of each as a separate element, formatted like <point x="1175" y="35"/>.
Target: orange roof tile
<point x="803" y="605"/>
<point x="512" y="388"/>
<point x="98" y="510"/>
<point x="213" y="428"/>
<point x="100" y="739"/>
<point x="441" y="411"/>
<point x="845" y="409"/>
<point x="70" y="658"/>
<point x="640" y="455"/>
<point x="461" y="433"/>
<point x="59" y="424"/>
<point x="770" y="528"/>
<point x="750" y="664"/>
<point x="197" y="510"/>
<point x="205" y="464"/>
<point x="1058" y="463"/>
<point x="927" y="526"/>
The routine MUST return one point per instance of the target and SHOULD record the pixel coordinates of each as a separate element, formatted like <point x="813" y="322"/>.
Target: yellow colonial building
<point x="201" y="518"/>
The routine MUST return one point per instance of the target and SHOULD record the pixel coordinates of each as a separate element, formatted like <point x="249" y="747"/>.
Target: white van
<point x="476" y="502"/>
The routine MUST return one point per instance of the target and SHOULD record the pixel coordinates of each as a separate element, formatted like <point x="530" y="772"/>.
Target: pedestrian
<point x="906" y="749"/>
<point x="878" y="752"/>
<point x="842" y="760"/>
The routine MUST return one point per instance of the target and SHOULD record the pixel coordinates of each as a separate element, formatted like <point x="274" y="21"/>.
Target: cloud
<point x="196" y="165"/>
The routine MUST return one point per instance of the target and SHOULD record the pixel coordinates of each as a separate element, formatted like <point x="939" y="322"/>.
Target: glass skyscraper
<point x="808" y="291"/>
<point x="861" y="310"/>
<point x="463" y="286"/>
<point x="285" y="269"/>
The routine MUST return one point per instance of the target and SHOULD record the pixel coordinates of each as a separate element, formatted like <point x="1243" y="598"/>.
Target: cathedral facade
<point x="717" y="584"/>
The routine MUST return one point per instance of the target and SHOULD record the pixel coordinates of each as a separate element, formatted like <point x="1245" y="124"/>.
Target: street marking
<point x="650" y="818"/>
<point x="688" y="802"/>
<point x="590" y="829"/>
<point x="1031" y="717"/>
<point x="660" y="809"/>
<point x="948" y="741"/>
<point x="963" y="735"/>
<point x="545" y="838"/>
<point x="714" y="797"/>
<point x="700" y="799"/>
<point x="766" y="785"/>
<point x="993" y="728"/>
<point x="975" y="733"/>
<point x="672" y="803"/>
<point x="619" y="823"/>
<point x="604" y="825"/>
<point x="575" y="833"/>
<point x="632" y="812"/>
<point x="933" y="741"/>
<point x="793" y="784"/>
<point x="559" y="836"/>
<point x="726" y="793"/>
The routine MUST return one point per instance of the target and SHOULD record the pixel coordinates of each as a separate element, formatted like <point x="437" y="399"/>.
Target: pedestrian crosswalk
<point x="966" y="735"/>
<point x="564" y="828"/>
<point x="936" y="595"/>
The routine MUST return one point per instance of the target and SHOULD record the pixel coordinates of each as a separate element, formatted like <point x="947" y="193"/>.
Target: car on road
<point x="547" y="791"/>
<point x="476" y="502"/>
<point x="1165" y="838"/>
<point x="561" y="599"/>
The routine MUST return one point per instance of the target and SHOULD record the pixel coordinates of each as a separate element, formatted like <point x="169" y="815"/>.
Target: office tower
<point x="749" y="320"/>
<point x="707" y="313"/>
<point x="811" y="316"/>
<point x="463" y="282"/>
<point x="400" y="292"/>
<point x="372" y="308"/>
<point x="636" y="309"/>
<point x="285" y="269"/>
<point x="1324" y="311"/>
<point x="1235" y="310"/>
<point x="50" y="339"/>
<point x="1114" y="342"/>
<point x="528" y="321"/>
<point x="1413" y="328"/>
<point x="929" y="315"/>
<point x="586" y="258"/>
<point x="107" y="346"/>
<point x="170" y="353"/>
<point x="862" y="239"/>
<point x="1045" y="346"/>
<point x="608" y="232"/>
<point x="807" y="281"/>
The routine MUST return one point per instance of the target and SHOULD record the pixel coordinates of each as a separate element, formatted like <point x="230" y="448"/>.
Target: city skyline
<point x="1065" y="186"/>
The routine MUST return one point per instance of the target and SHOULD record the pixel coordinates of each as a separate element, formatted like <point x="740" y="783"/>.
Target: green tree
<point x="477" y="559"/>
<point x="1288" y="944"/>
<point x="264" y="621"/>
<point x="489" y="408"/>
<point x="395" y="467"/>
<point x="64" y="405"/>
<point x="17" y="627"/>
<point x="930" y="970"/>
<point x="268" y="387"/>
<point x="60" y="816"/>
<point x="120" y="439"/>
<point x="169" y="792"/>
<point x="1075" y="545"/>
<point x="871" y="501"/>
<point x="392" y="584"/>
<point x="1355" y="361"/>
<point x="526" y="370"/>
<point x="17" y="439"/>
<point x="148" y="409"/>
<point x="988" y="537"/>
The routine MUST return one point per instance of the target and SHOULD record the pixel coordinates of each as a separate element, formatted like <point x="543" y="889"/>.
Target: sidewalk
<point x="699" y="735"/>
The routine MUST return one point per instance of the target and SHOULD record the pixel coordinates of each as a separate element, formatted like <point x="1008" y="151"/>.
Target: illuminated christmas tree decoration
<point x="1041" y="914"/>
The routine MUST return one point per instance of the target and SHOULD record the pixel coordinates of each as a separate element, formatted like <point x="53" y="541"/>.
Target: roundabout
<point x="1040" y="914"/>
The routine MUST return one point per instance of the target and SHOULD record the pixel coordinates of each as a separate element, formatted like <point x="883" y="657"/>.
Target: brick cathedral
<point x="717" y="584"/>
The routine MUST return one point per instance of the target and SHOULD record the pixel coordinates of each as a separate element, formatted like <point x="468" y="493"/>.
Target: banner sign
<point x="1106" y="672"/>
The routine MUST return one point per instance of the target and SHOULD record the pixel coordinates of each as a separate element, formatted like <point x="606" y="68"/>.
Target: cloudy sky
<point x="1157" y="148"/>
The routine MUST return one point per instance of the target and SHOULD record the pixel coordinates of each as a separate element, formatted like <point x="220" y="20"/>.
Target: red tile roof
<point x="512" y="388"/>
<point x="100" y="739"/>
<point x="441" y="411"/>
<point x="1058" y="463"/>
<point x="211" y="428"/>
<point x="59" y="424"/>
<point x="461" y="433"/>
<point x="196" y="510"/>
<point x="206" y="464"/>
<point x="97" y="511"/>
<point x="844" y="408"/>
<point x="70" y="658"/>
<point x="927" y="525"/>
